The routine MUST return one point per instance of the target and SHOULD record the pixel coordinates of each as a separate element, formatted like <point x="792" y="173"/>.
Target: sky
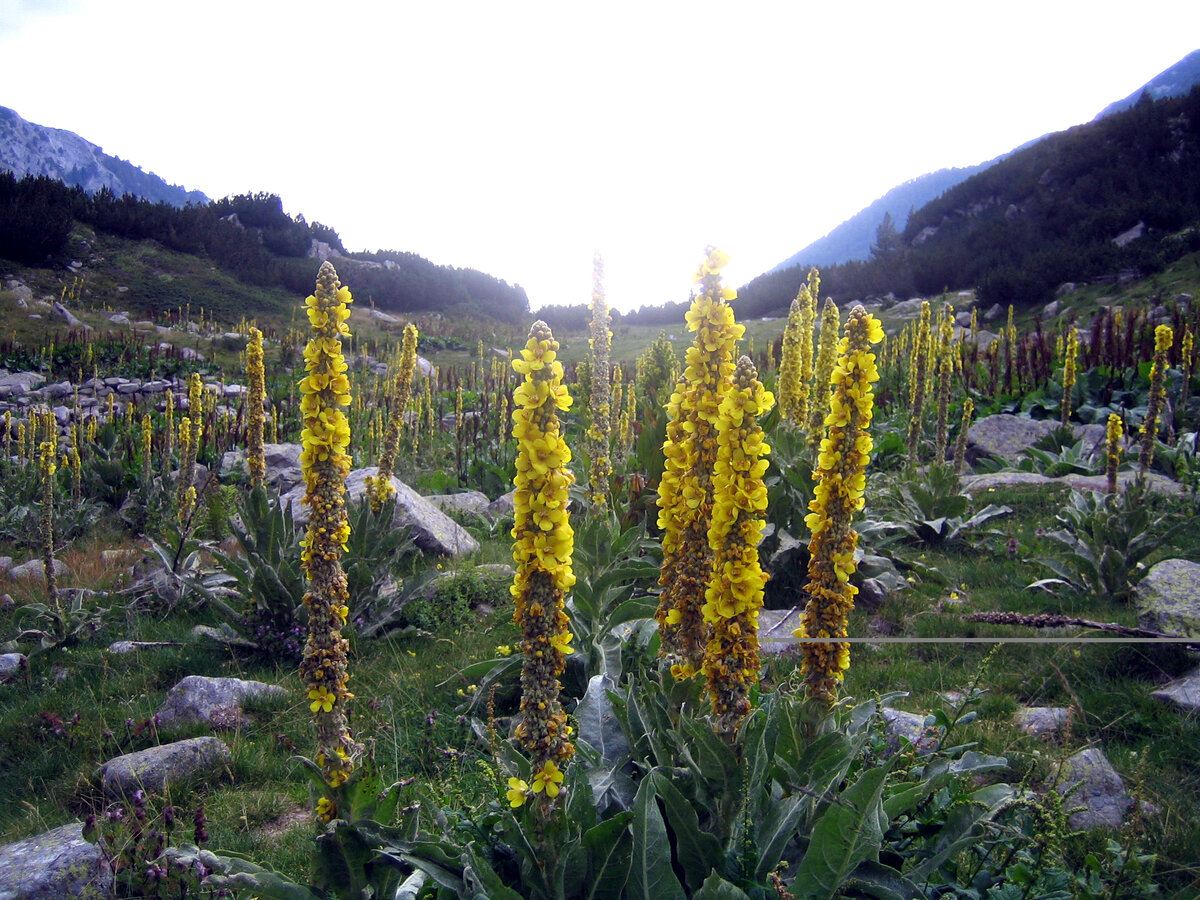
<point x="520" y="138"/>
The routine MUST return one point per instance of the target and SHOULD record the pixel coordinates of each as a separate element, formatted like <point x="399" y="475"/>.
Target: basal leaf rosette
<point x="839" y="493"/>
<point x="690" y="451"/>
<point x="325" y="462"/>
<point x="735" y="592"/>
<point x="542" y="550"/>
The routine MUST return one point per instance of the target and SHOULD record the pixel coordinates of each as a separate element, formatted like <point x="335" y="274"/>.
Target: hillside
<point x="30" y="149"/>
<point x="1116" y="198"/>
<point x="1173" y="82"/>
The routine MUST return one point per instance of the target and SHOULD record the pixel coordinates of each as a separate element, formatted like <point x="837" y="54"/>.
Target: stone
<point x="993" y="313"/>
<point x="1168" y="598"/>
<point x="1067" y="287"/>
<point x="503" y="505"/>
<point x="1043" y="721"/>
<point x="432" y="530"/>
<point x="1050" y="310"/>
<point x="58" y="390"/>
<point x="1182" y="692"/>
<point x="962" y="319"/>
<point x="1005" y="436"/>
<point x="65" y="314"/>
<point x="11" y="665"/>
<point x="19" y="383"/>
<point x="282" y="462"/>
<point x="1089" y="781"/>
<point x="60" y="863"/>
<point x="1128" y="237"/>
<point x="36" y="568"/>
<point x="223" y="636"/>
<point x="215" y="702"/>
<point x="6" y="564"/>
<point x="121" y="648"/>
<point x="1155" y="482"/>
<point x="155" y="768"/>
<point x="907" y="308"/>
<point x="900" y="726"/>
<point x="467" y="502"/>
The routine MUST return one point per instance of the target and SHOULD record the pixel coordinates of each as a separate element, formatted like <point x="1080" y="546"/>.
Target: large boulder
<point x="1168" y="598"/>
<point x="1094" y="790"/>
<point x="153" y="769"/>
<point x="1182" y="692"/>
<point x="282" y="462"/>
<point x="60" y="863"/>
<point x="19" y="383"/>
<point x="214" y="702"/>
<point x="466" y="502"/>
<point x="432" y="530"/>
<point x="1006" y="436"/>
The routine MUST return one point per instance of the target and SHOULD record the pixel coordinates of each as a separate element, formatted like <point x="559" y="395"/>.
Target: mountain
<point x="30" y="149"/>
<point x="853" y="238"/>
<point x="1173" y="82"/>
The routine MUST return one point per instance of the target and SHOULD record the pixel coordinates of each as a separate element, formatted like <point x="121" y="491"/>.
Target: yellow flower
<point x="548" y="779"/>
<point x="326" y="809"/>
<point x="504" y="650"/>
<point x="322" y="699"/>
<point x="517" y="793"/>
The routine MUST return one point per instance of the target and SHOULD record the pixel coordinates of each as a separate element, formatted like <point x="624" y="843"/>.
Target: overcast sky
<point x="517" y="138"/>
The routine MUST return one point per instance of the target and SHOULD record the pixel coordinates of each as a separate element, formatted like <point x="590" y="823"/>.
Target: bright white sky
<point x="518" y="137"/>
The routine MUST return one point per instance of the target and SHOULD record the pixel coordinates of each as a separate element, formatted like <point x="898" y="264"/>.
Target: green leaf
<point x="717" y="888"/>
<point x="696" y="850"/>
<point x="849" y="832"/>
<point x="478" y="874"/>
<point x="609" y="847"/>
<point x="650" y="874"/>
<point x="775" y="831"/>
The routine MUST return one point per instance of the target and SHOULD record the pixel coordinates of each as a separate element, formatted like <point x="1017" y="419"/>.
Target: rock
<point x="467" y="501"/>
<point x="380" y="316"/>
<point x="6" y="564"/>
<point x="223" y="636"/>
<point x="962" y="319"/>
<point x="994" y="312"/>
<point x="503" y="505"/>
<point x="1043" y="721"/>
<point x="120" y="648"/>
<point x="432" y="530"/>
<point x="282" y="462"/>
<point x="1168" y="598"/>
<point x="60" y="863"/>
<point x="216" y="702"/>
<point x="155" y="768"/>
<point x="1182" y="692"/>
<point x="19" y="383"/>
<point x="905" y="726"/>
<point x="1090" y="781"/>
<point x="1154" y="481"/>
<point x="65" y="314"/>
<point x="58" y="390"/>
<point x="1005" y="436"/>
<point x="907" y="308"/>
<point x="11" y="665"/>
<point x="1067" y="287"/>
<point x="1128" y="237"/>
<point x="36" y="568"/>
<point x="1050" y="310"/>
<point x="20" y="290"/>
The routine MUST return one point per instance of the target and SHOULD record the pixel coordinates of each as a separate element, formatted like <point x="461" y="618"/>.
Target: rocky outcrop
<point x="1168" y="598"/>
<point x="212" y="702"/>
<point x="153" y="769"/>
<point x="282" y="463"/>
<point x="60" y="863"/>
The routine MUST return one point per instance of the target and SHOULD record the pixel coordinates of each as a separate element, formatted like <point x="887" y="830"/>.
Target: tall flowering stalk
<point x="1164" y="337"/>
<point x="256" y="382"/>
<point x="1113" y="433"/>
<point x="685" y="490"/>
<point x="734" y="595"/>
<point x="916" y="382"/>
<point x="325" y="462"/>
<point x="48" y="464"/>
<point x="542" y="551"/>
<point x="147" y="448"/>
<point x="1186" y="347"/>
<point x="945" y="370"/>
<point x="1070" y="357"/>
<point x="601" y="405"/>
<point x="841" y="482"/>
<point x="185" y="491"/>
<point x="964" y="428"/>
<point x="795" y="364"/>
<point x="827" y="343"/>
<point x="379" y="486"/>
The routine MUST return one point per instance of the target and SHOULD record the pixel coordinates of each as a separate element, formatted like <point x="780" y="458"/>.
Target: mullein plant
<point x="256" y="396"/>
<point x="47" y="461"/>
<point x="916" y="382"/>
<point x="1070" y="358"/>
<point x="735" y="591"/>
<point x="795" y="364"/>
<point x="690" y="451"/>
<point x="379" y="486"/>
<point x="827" y="343"/>
<point x="1185" y="368"/>
<point x="542" y="552"/>
<point x="838" y="495"/>
<point x="325" y="462"/>
<point x="964" y="428"/>
<point x="1113" y="433"/>
<point x="945" y="372"/>
<point x="599" y="352"/>
<point x="1164" y="337"/>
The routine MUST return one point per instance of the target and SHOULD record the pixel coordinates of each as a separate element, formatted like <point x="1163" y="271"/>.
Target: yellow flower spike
<point x="690" y="451"/>
<point x="1164" y="338"/>
<point x="543" y="543"/>
<point x="1113" y="433"/>
<point x="839" y="493"/>
<point x="379" y="486"/>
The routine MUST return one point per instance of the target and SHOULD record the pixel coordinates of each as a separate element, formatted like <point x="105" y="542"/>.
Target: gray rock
<point x="121" y="648"/>
<point x="58" y="390"/>
<point x="1089" y="781"/>
<point x="1067" y="287"/>
<point x="20" y="290"/>
<point x="6" y="564"/>
<point x="962" y="319"/>
<point x="468" y="502"/>
<point x="1168" y="598"/>
<point x="900" y="726"/>
<point x="282" y="462"/>
<point x="1051" y="309"/>
<point x="993" y="313"/>
<point x="1182" y="692"/>
<point x="36" y="568"/>
<point x="1128" y="237"/>
<point x="19" y="383"/>
<point x="1154" y="481"/>
<point x="503" y="505"/>
<point x="155" y="768"/>
<point x="907" y="308"/>
<point x="432" y="530"/>
<point x="1043" y="721"/>
<point x="1005" y="436"/>
<point x="60" y="863"/>
<point x="215" y="702"/>
<point x="65" y="314"/>
<point x="223" y="636"/>
<point x="11" y="665"/>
